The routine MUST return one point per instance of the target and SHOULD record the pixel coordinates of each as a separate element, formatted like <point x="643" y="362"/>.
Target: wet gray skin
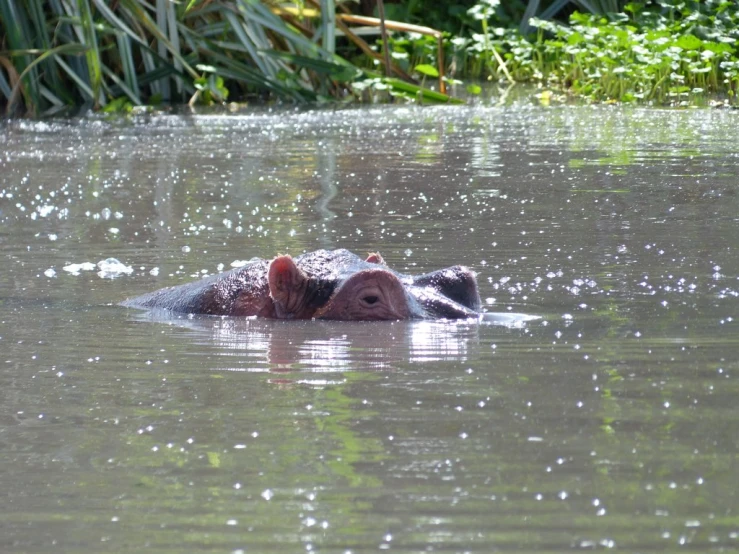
<point x="323" y="284"/>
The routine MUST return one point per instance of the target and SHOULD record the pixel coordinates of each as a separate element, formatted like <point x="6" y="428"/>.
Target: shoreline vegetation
<point x="116" y="55"/>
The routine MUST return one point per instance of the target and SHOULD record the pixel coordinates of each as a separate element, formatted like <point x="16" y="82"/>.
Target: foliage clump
<point x="664" y="51"/>
<point x="645" y="55"/>
<point x="116" y="55"/>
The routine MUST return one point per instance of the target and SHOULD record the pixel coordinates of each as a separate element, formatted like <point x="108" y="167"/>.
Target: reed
<point x="117" y="54"/>
<point x="102" y="54"/>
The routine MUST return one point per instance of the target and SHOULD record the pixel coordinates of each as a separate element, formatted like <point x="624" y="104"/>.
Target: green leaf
<point x="146" y="21"/>
<point x="19" y="37"/>
<point x="63" y="49"/>
<point x="340" y="72"/>
<point x="689" y="42"/>
<point x="427" y="95"/>
<point x="575" y="38"/>
<point x="91" y="41"/>
<point x="474" y="89"/>
<point x="121" y="104"/>
<point x="717" y="47"/>
<point x="428" y="70"/>
<point x="131" y="93"/>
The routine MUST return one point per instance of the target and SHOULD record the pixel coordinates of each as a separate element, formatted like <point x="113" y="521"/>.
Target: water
<point x="609" y="422"/>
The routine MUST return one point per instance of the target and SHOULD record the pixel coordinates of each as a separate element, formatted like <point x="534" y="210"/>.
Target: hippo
<point x="325" y="284"/>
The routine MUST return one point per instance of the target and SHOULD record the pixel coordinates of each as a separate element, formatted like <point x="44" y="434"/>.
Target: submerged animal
<point x="324" y="285"/>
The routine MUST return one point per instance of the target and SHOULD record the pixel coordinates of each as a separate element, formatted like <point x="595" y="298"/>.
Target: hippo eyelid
<point x="371" y="299"/>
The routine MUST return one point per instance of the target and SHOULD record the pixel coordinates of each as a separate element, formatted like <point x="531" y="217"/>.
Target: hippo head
<point x="368" y="293"/>
<point x="325" y="284"/>
<point x="347" y="288"/>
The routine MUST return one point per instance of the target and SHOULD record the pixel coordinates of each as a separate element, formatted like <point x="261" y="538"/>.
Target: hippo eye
<point x="371" y="299"/>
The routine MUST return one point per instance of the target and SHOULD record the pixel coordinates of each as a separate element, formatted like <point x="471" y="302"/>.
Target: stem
<point x="383" y="32"/>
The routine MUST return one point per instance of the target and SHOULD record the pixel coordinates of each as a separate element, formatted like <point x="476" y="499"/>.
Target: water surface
<point x="609" y="422"/>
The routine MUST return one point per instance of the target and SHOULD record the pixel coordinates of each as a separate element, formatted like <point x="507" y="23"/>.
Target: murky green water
<point x="611" y="422"/>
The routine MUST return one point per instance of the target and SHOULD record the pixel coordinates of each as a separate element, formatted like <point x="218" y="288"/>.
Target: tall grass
<point x="119" y="53"/>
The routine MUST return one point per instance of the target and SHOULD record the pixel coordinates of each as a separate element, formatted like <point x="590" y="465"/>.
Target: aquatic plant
<point x="662" y="51"/>
<point x="99" y="54"/>
<point x="107" y="55"/>
<point x="662" y="54"/>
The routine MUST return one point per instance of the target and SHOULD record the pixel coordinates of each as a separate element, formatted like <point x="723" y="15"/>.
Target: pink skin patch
<point x="370" y="295"/>
<point x="375" y="258"/>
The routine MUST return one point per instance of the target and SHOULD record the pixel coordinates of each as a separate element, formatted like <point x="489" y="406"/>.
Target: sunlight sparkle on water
<point x="616" y="225"/>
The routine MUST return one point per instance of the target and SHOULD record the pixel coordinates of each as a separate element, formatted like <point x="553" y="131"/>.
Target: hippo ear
<point x="287" y="284"/>
<point x="375" y="258"/>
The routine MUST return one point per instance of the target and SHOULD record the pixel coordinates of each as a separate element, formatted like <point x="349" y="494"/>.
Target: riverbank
<point x="91" y="54"/>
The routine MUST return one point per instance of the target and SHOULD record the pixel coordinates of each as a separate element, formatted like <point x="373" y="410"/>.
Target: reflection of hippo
<point x="323" y="284"/>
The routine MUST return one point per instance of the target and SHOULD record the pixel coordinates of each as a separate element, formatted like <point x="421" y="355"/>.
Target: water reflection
<point x="259" y="345"/>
